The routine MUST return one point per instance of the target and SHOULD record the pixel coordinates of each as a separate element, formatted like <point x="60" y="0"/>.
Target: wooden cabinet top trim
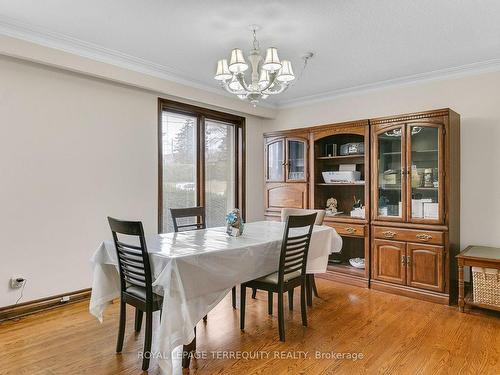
<point x="411" y="116"/>
<point x="316" y="128"/>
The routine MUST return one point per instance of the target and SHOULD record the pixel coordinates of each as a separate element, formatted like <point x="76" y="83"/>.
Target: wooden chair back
<point x="285" y="212"/>
<point x="294" y="248"/>
<point x="133" y="259"/>
<point x="197" y="212"/>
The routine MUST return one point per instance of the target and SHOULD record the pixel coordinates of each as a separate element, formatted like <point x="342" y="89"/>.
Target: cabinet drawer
<point x="409" y="235"/>
<point x="348" y="229"/>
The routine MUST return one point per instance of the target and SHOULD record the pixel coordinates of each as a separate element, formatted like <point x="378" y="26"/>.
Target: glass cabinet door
<point x="296" y="163"/>
<point x="424" y="166"/>
<point x="275" y="161"/>
<point x="389" y="202"/>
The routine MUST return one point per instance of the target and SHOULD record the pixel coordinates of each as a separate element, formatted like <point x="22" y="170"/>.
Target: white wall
<point x="476" y="98"/>
<point x="74" y="149"/>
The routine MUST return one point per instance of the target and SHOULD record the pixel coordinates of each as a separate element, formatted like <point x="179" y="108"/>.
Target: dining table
<point x="195" y="270"/>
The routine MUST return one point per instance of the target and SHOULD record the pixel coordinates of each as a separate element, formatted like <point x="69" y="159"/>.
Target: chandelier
<point x="269" y="77"/>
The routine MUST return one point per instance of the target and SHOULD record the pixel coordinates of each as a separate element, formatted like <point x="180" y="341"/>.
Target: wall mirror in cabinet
<point x="339" y="183"/>
<point x="408" y="172"/>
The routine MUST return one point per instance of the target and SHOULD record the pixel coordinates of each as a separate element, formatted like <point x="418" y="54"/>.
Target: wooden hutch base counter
<point x="392" y="186"/>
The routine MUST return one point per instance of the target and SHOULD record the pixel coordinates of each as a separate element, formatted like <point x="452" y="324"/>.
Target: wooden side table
<point x="475" y="256"/>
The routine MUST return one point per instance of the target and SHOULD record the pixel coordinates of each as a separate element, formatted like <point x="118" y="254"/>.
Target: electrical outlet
<point x="17" y="282"/>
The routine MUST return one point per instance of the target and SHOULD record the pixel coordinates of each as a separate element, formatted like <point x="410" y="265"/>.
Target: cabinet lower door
<point x="425" y="265"/>
<point x="389" y="258"/>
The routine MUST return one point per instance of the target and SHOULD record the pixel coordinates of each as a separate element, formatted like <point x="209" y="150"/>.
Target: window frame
<point x="201" y="115"/>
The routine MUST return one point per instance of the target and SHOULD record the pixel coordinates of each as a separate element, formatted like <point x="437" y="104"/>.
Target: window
<point x="201" y="162"/>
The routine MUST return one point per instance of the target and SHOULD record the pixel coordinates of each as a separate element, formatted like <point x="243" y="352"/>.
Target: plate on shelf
<point x="357" y="262"/>
<point x="328" y="213"/>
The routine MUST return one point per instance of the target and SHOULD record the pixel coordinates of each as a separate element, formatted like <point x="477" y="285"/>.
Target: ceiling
<point x="357" y="43"/>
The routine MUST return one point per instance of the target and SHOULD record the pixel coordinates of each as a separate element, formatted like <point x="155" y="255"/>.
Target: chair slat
<point x="135" y="278"/>
<point x="129" y="252"/>
<point x="133" y="264"/>
<point x="293" y="264"/>
<point x="296" y="247"/>
<point x="133" y="258"/>
<point x="136" y="283"/>
<point x="295" y="252"/>
<point x="128" y="270"/>
<point x="124" y="245"/>
<point x="294" y="256"/>
<point x="290" y="270"/>
<point x="297" y="238"/>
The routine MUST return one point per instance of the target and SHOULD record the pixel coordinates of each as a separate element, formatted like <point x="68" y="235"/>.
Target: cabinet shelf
<point x="341" y="157"/>
<point x="339" y="184"/>
<point x="425" y="188"/>
<point x="416" y="151"/>
<point x="346" y="268"/>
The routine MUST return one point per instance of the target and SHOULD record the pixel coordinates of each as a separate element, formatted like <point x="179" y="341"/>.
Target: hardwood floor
<point x="396" y="335"/>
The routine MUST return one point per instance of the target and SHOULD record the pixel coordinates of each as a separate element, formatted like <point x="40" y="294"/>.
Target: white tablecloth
<point x="195" y="270"/>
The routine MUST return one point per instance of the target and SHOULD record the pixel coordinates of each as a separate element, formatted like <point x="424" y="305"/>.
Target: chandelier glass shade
<point x="269" y="76"/>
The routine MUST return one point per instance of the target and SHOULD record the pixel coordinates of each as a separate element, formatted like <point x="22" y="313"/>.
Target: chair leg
<point x="270" y="303"/>
<point x="121" y="328"/>
<point x="290" y="299"/>
<point x="187" y="350"/>
<point x="313" y="283"/>
<point x="309" y="291"/>
<point x="254" y="293"/>
<point x="138" y="320"/>
<point x="243" y="293"/>
<point x="148" y="338"/>
<point x="233" y="296"/>
<point x="303" y="307"/>
<point x="281" y="317"/>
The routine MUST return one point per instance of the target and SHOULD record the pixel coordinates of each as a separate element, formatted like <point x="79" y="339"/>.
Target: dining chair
<point x="311" y="283"/>
<point x="200" y="223"/>
<point x="291" y="272"/>
<point x="135" y="281"/>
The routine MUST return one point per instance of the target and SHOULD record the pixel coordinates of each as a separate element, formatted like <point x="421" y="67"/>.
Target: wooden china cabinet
<point x="286" y="172"/>
<point x="409" y="185"/>
<point x="416" y="204"/>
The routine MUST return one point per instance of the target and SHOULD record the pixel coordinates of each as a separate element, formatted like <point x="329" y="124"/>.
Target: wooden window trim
<point x="240" y="150"/>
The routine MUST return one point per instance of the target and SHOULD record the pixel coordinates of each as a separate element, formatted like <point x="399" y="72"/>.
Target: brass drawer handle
<point x="350" y="230"/>
<point x="424" y="237"/>
<point x="403" y="259"/>
<point x="408" y="260"/>
<point x="388" y="234"/>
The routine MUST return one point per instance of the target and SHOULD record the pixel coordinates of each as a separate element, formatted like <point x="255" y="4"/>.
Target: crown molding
<point x="47" y="38"/>
<point x="436" y="75"/>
